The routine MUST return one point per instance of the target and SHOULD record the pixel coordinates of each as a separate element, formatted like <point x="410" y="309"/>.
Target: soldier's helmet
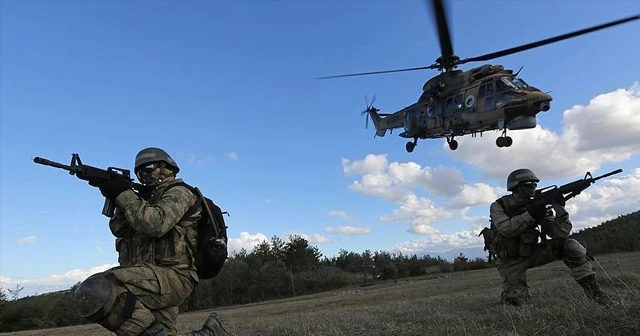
<point x="154" y="154"/>
<point x="520" y="175"/>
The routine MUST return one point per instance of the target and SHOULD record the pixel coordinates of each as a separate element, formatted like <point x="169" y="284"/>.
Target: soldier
<point x="156" y="271"/>
<point x="515" y="219"/>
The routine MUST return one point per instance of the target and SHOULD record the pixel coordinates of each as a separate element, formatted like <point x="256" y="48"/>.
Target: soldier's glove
<point x="537" y="210"/>
<point x="560" y="199"/>
<point x="113" y="187"/>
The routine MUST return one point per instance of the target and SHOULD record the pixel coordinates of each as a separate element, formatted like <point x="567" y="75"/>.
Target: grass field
<point x="461" y="303"/>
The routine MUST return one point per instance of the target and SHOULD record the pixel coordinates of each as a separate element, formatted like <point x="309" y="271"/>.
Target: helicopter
<point x="456" y="102"/>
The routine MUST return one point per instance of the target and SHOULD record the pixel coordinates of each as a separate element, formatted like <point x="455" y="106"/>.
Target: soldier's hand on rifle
<point x="113" y="187"/>
<point x="537" y="210"/>
<point x="560" y="199"/>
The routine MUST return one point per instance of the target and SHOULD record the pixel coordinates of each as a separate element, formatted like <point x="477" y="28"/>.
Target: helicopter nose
<point x="542" y="101"/>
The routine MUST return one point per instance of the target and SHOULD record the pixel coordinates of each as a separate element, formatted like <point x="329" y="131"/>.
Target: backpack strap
<point x="203" y="202"/>
<point x="517" y="210"/>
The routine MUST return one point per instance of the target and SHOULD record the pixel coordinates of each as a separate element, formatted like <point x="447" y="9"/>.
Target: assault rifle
<point x="89" y="173"/>
<point x="555" y="196"/>
<point x="552" y="194"/>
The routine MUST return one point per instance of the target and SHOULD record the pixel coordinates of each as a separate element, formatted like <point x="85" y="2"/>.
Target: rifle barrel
<point x="46" y="162"/>
<point x="608" y="174"/>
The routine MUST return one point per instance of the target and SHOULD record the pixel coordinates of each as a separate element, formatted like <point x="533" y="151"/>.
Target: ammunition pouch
<point x="527" y="243"/>
<point x="514" y="247"/>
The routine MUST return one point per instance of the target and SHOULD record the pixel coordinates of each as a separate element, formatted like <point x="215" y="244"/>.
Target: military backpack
<point x="211" y="252"/>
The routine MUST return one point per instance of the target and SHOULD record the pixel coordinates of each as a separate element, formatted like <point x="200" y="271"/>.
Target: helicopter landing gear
<point x="453" y="144"/>
<point x="412" y="145"/>
<point x="504" y="140"/>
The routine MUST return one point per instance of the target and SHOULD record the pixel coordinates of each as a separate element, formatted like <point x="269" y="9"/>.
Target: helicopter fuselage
<point x="457" y="102"/>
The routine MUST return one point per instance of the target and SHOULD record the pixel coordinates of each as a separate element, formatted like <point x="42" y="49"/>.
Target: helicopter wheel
<point x="410" y="146"/>
<point x="508" y="141"/>
<point x="453" y="144"/>
<point x="505" y="141"/>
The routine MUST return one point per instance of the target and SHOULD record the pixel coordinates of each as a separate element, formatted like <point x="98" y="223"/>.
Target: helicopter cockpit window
<point x="520" y="83"/>
<point x="501" y="86"/>
<point x="457" y="102"/>
<point x="506" y="84"/>
<point x="430" y="110"/>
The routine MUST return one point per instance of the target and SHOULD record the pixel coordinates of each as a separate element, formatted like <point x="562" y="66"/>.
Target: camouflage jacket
<point x="516" y="235"/>
<point x="155" y="230"/>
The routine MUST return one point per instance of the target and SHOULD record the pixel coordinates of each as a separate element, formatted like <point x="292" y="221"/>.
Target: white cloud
<point x="311" y="238"/>
<point x="199" y="159"/>
<point x="611" y="120"/>
<point x="267" y="200"/>
<point x="371" y="164"/>
<point x="53" y="282"/>
<point x="440" y="242"/>
<point x="421" y="212"/>
<point x="393" y="181"/>
<point x="99" y="248"/>
<point x="315" y="238"/>
<point x="605" y="130"/>
<point x="28" y="240"/>
<point x="246" y="241"/>
<point x="347" y="230"/>
<point x="339" y="213"/>
<point x="479" y="193"/>
<point x="232" y="156"/>
<point x="606" y="199"/>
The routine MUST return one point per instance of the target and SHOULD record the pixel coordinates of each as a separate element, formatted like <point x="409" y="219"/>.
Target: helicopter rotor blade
<point x="379" y="72"/>
<point x="439" y="12"/>
<point x="532" y="45"/>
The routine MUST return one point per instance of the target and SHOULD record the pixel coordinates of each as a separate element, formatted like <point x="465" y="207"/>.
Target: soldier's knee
<point x="574" y="254"/>
<point x="99" y="300"/>
<point x="573" y="249"/>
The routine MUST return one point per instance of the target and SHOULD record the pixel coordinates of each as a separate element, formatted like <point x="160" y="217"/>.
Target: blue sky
<point x="228" y="88"/>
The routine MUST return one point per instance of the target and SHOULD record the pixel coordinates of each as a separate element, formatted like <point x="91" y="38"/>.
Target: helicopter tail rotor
<point x="369" y="108"/>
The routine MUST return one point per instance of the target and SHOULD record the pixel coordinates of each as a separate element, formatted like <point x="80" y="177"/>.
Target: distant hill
<point x="450" y="255"/>
<point x="620" y="234"/>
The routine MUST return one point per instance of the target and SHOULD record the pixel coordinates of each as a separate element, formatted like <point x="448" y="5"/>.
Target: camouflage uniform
<point x="155" y="234"/>
<point x="517" y="248"/>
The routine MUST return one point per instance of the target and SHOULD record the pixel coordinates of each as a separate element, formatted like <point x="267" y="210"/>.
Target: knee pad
<point x="99" y="300"/>
<point x="574" y="253"/>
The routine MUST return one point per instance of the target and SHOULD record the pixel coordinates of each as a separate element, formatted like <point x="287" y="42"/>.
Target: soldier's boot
<point x="212" y="327"/>
<point x="592" y="290"/>
<point x="156" y="329"/>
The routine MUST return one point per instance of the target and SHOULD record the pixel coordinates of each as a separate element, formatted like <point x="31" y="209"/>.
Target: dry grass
<point x="464" y="303"/>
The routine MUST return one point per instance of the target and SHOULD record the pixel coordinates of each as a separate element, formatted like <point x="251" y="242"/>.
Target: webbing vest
<point x="169" y="250"/>
<point x="522" y="245"/>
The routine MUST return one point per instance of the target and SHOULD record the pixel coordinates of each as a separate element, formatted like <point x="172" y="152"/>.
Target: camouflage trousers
<point x="513" y="271"/>
<point x="158" y="291"/>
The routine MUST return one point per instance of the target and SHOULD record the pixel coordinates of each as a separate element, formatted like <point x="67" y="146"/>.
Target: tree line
<point x="621" y="234"/>
<point x="278" y="269"/>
